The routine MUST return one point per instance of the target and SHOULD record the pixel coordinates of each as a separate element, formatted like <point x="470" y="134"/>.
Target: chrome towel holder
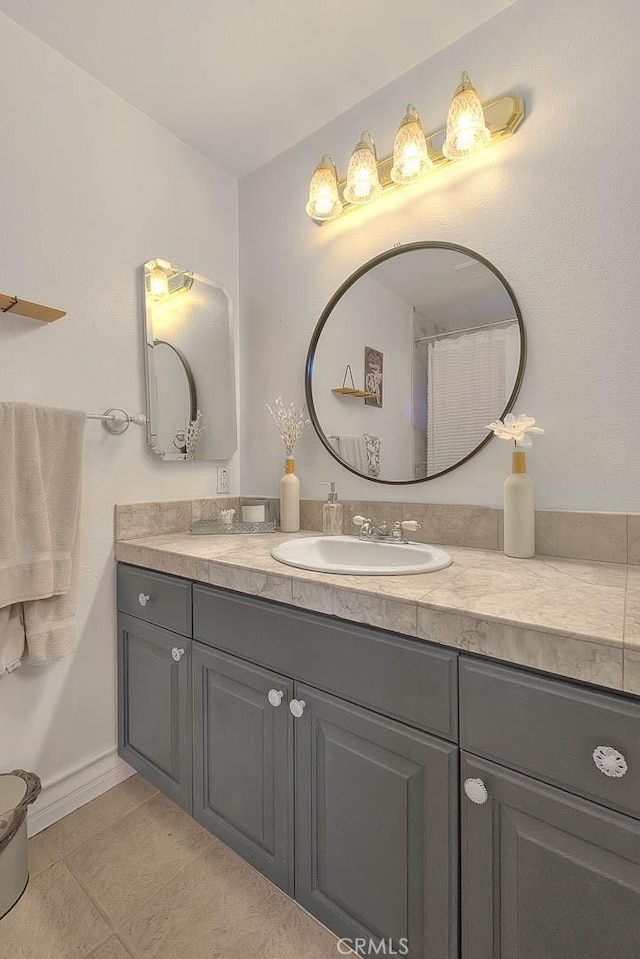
<point x="116" y="420"/>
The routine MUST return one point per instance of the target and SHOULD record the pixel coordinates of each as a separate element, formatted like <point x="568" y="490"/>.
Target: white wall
<point x="88" y="195"/>
<point x="555" y="208"/>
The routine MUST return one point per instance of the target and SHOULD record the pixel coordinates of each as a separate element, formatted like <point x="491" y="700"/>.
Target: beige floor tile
<point x="42" y="854"/>
<point x="125" y="863"/>
<point x="111" y="949"/>
<point x="53" y="920"/>
<point x="218" y="908"/>
<point x="298" y="936"/>
<point x="81" y="825"/>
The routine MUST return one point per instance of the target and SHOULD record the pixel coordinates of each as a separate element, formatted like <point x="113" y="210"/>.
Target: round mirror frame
<point x="326" y="313"/>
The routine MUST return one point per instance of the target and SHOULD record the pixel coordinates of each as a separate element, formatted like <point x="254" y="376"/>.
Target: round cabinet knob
<point x="143" y="599"/>
<point x="476" y="791"/>
<point x="275" y="696"/>
<point x="609" y="761"/>
<point x="177" y="654"/>
<point x="296" y="707"/>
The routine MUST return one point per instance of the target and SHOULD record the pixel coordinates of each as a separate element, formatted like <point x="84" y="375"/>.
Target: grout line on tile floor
<point x="62" y="857"/>
<point x="94" y="952"/>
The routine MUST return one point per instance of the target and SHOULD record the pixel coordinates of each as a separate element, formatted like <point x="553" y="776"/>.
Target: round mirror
<point x="413" y="356"/>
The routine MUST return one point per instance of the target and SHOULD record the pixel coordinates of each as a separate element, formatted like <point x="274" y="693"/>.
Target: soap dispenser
<point x="332" y="512"/>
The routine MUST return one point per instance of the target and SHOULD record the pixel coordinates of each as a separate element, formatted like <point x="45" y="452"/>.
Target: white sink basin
<point x="349" y="555"/>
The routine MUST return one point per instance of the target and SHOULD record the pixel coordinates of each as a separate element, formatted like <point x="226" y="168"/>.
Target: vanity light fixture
<point x="324" y="201"/>
<point x="467" y="132"/>
<point x="470" y="127"/>
<point x="158" y="282"/>
<point x="411" y="160"/>
<point x="363" y="183"/>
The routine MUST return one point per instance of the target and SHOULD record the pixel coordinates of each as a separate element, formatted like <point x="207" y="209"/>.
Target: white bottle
<point x="332" y="513"/>
<point x="289" y="498"/>
<point x="519" y="510"/>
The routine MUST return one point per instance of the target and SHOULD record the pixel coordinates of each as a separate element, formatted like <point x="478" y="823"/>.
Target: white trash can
<point x="17" y="790"/>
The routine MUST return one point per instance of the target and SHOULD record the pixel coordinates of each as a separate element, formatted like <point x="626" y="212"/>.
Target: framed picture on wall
<point x="373" y="376"/>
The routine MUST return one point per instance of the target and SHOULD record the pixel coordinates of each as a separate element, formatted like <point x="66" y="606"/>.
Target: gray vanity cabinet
<point x="243" y="760"/>
<point x="545" y="875"/>
<point x="376" y="828"/>
<point x="154" y="709"/>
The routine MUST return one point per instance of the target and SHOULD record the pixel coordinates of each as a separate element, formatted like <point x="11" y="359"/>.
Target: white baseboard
<point x="76" y="787"/>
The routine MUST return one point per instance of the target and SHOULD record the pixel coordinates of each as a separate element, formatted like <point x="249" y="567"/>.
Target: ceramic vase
<point x="519" y="510"/>
<point x="290" y="498"/>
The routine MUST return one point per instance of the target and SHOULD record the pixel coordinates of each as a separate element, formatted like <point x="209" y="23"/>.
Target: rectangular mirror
<point x="189" y="365"/>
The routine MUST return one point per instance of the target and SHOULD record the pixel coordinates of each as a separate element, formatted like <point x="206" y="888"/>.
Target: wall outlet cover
<point x="223" y="481"/>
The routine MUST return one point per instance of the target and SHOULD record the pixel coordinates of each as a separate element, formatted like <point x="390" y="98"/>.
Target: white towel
<point x="361" y="452"/>
<point x="40" y="481"/>
<point x="352" y="450"/>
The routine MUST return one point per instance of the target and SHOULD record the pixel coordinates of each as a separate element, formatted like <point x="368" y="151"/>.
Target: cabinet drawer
<point x="405" y="679"/>
<point x="155" y="598"/>
<point x="550" y="729"/>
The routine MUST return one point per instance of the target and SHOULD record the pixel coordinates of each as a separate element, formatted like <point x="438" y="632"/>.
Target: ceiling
<point x="451" y="289"/>
<point x="243" y="80"/>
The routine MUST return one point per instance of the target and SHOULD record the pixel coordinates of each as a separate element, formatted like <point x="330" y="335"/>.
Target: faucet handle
<point x="359" y="520"/>
<point x="411" y="525"/>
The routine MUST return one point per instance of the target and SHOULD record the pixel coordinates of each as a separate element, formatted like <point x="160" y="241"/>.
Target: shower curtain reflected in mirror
<point x="460" y="380"/>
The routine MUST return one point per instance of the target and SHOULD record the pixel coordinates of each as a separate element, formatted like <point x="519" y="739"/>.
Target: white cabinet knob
<point x="296" y="707"/>
<point x="609" y="761"/>
<point x="275" y="696"/>
<point x="177" y="654"/>
<point x="143" y="599"/>
<point x="476" y="791"/>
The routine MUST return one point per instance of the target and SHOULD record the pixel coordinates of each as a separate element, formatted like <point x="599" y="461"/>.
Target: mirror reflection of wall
<point x="189" y="364"/>
<point x="448" y="328"/>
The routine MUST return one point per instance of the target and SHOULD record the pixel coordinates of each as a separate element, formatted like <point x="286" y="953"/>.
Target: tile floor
<point x="131" y="876"/>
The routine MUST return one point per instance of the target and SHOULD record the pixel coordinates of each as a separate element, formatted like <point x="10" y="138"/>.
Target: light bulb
<point x="324" y="200"/>
<point x="411" y="160"/>
<point x="158" y="282"/>
<point x="363" y="183"/>
<point x="467" y="132"/>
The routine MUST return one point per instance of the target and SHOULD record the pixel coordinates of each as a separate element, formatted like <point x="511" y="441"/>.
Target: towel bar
<point x="116" y="420"/>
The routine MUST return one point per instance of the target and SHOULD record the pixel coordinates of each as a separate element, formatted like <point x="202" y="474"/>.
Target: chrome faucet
<point x="381" y="534"/>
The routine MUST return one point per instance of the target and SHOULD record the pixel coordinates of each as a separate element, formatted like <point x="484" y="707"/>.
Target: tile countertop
<point x="566" y="617"/>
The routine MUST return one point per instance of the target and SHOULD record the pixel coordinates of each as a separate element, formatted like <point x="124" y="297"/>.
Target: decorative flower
<point x="515" y="428"/>
<point x="290" y="422"/>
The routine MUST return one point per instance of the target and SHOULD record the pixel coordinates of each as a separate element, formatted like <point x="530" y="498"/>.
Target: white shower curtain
<point x="466" y="390"/>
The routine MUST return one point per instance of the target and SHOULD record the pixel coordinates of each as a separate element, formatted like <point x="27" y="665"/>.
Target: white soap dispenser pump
<point x="332" y="512"/>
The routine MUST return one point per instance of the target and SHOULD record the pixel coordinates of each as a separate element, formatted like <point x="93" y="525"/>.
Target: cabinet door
<point x="243" y="760"/>
<point x="376" y="829"/>
<point x="545" y="875"/>
<point x="154" y="706"/>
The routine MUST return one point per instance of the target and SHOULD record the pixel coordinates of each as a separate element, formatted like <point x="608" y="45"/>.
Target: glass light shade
<point x="411" y="160"/>
<point x="324" y="200"/>
<point x="158" y="282"/>
<point x="467" y="132"/>
<point x="363" y="183"/>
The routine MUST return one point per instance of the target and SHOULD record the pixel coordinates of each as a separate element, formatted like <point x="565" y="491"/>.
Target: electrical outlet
<point x="223" y="481"/>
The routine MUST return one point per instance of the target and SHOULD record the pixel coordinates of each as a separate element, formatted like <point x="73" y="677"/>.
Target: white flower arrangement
<point x="515" y="428"/>
<point x="290" y="423"/>
<point x="193" y="433"/>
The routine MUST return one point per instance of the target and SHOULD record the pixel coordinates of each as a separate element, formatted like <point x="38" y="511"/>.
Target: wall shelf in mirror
<point x="352" y="390"/>
<point x="33" y="311"/>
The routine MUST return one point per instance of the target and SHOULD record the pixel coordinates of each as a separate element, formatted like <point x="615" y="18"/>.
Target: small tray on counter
<point x="208" y="527"/>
